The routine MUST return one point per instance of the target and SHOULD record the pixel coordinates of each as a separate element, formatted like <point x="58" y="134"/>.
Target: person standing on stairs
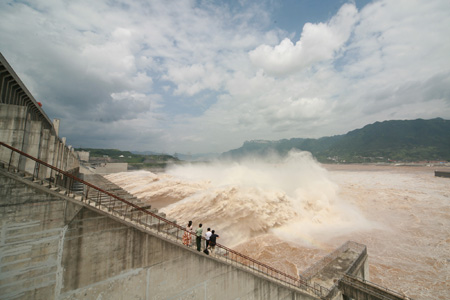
<point x="207" y="236"/>
<point x="198" y="237"/>
<point x="212" y="241"/>
<point x="187" y="234"/>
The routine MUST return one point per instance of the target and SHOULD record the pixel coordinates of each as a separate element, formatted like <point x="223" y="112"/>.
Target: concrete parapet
<point x="355" y="288"/>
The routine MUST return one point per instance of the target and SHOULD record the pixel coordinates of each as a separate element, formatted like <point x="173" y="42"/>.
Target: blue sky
<point x="205" y="76"/>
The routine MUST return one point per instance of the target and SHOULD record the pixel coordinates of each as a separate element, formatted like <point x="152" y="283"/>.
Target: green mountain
<point x="407" y="140"/>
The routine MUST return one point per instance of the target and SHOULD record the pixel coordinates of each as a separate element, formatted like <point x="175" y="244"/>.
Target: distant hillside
<point x="198" y="157"/>
<point x="409" y="140"/>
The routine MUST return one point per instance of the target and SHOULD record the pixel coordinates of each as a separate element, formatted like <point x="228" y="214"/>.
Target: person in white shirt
<point x="207" y="236"/>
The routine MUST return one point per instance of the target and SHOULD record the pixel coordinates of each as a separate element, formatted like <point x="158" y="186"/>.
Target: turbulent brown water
<point x="291" y="212"/>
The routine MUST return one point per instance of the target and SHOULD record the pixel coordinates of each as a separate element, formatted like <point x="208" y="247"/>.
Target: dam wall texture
<point x="52" y="247"/>
<point x="25" y="126"/>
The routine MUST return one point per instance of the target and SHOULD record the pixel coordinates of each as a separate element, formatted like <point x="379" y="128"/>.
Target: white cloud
<point x="195" y="78"/>
<point x="318" y="42"/>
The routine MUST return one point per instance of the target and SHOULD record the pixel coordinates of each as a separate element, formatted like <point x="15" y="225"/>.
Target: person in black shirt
<point x="212" y="241"/>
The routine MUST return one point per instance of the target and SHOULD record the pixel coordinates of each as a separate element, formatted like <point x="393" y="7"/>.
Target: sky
<point x="205" y="76"/>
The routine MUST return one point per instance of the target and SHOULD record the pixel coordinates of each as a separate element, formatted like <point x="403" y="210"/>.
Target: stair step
<point x="173" y="230"/>
<point x="146" y="207"/>
<point x="111" y="203"/>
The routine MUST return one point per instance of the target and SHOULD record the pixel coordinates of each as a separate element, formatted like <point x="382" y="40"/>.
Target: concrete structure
<point x="349" y="259"/>
<point x="83" y="155"/>
<point x="25" y="126"/>
<point x="354" y="288"/>
<point x="442" y="174"/>
<point x="107" y="168"/>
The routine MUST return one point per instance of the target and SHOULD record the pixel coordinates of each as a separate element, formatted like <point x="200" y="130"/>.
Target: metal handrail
<point x="354" y="280"/>
<point x="127" y="207"/>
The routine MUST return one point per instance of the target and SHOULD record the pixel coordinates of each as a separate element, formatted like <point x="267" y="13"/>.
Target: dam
<point x="70" y="235"/>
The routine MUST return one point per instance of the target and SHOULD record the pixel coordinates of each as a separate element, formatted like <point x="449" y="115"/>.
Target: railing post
<point x="50" y="178"/>
<point x="36" y="170"/>
<point x="70" y="185"/>
<point x="87" y="193"/>
<point x="10" y="159"/>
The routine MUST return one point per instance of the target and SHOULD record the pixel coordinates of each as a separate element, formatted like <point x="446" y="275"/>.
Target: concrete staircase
<point x="116" y="205"/>
<point x="110" y="204"/>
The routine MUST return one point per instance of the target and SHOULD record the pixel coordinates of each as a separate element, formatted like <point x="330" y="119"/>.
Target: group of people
<point x="210" y="238"/>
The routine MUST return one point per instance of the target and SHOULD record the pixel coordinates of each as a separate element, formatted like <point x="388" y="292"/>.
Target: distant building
<point x="83" y="155"/>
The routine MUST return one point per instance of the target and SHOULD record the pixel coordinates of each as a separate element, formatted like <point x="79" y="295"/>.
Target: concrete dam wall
<point x="25" y="126"/>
